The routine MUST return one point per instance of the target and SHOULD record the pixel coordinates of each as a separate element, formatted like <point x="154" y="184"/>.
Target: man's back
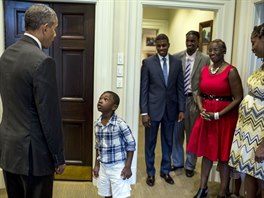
<point x="26" y="85"/>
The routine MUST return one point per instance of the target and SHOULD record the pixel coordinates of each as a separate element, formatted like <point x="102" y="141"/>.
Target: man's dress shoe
<point x="189" y="173"/>
<point x="167" y="178"/>
<point x="150" y="180"/>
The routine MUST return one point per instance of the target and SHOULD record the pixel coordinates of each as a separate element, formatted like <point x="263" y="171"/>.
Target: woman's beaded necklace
<point x="215" y="70"/>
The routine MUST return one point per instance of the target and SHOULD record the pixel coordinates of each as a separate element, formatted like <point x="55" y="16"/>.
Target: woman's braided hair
<point x="258" y="31"/>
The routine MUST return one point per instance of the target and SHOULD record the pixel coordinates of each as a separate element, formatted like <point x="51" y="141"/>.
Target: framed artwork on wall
<point x="148" y="42"/>
<point x="205" y="30"/>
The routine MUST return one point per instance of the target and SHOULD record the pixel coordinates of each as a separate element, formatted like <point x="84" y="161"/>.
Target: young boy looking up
<point x="115" y="146"/>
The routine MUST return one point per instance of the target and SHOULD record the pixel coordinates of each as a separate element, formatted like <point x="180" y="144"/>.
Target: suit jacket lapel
<point x="183" y="62"/>
<point x="196" y="63"/>
<point x="171" y="69"/>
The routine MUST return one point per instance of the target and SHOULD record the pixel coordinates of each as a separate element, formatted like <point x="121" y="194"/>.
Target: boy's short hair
<point x="115" y="97"/>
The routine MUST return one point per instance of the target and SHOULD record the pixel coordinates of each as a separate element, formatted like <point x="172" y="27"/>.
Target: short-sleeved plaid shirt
<point x="113" y="140"/>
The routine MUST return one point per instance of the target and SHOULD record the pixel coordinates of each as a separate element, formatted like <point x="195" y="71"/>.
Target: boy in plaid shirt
<point x="115" y="146"/>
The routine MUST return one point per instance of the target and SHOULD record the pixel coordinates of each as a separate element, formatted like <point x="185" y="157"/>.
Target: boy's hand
<point x="96" y="171"/>
<point x="126" y="173"/>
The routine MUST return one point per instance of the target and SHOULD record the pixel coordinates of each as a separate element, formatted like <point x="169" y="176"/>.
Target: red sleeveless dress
<point x="213" y="139"/>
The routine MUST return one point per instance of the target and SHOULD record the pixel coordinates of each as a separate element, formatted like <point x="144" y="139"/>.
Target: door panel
<point x="14" y="13"/>
<point x="73" y="51"/>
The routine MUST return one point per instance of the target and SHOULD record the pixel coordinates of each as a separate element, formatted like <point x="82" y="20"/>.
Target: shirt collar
<point x="112" y="121"/>
<point x="192" y="57"/>
<point x="35" y="38"/>
<point x="161" y="57"/>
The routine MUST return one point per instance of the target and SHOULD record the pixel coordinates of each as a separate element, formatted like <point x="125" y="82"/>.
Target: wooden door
<point x="73" y="51"/>
<point x="74" y="55"/>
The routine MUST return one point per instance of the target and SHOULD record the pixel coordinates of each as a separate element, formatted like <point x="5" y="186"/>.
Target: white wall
<point x="180" y="21"/>
<point x="183" y="20"/>
<point x="156" y="13"/>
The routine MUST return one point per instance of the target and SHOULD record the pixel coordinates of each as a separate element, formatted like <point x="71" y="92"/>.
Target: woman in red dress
<point x="211" y="137"/>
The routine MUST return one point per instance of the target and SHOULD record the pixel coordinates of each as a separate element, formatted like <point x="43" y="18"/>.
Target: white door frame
<point x="224" y="22"/>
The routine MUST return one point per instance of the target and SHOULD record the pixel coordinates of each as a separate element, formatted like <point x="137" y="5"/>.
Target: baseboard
<point x="2" y="182"/>
<point x="75" y="173"/>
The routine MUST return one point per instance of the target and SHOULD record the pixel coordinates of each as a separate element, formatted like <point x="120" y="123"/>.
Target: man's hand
<point x="60" y="169"/>
<point x="181" y="117"/>
<point x="146" y="120"/>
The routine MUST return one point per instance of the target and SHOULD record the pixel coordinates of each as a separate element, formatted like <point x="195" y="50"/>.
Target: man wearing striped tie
<point x="192" y="63"/>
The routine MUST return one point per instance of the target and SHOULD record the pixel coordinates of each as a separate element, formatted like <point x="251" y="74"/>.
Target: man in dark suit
<point x="31" y="138"/>
<point x="161" y="103"/>
<point x="192" y="63"/>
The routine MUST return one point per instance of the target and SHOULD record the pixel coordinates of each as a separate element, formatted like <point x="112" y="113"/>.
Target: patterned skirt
<point x="248" y="135"/>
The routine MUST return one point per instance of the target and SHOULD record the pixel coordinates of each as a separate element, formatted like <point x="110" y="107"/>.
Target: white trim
<point x="66" y="1"/>
<point x="103" y="53"/>
<point x="243" y="62"/>
<point x="103" y="49"/>
<point x="133" y="75"/>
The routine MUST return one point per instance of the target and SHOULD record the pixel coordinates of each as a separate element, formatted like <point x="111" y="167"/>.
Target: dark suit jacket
<point x="155" y="97"/>
<point x="200" y="61"/>
<point x="31" y="136"/>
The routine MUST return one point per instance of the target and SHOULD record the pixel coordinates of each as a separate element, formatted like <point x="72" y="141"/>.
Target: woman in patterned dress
<point x="247" y="152"/>
<point x="218" y="100"/>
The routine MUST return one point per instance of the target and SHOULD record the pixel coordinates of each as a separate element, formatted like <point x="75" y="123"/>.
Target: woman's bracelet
<point x="216" y="116"/>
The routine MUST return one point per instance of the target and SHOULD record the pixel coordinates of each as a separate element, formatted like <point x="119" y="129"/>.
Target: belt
<point x="212" y="97"/>
<point x="189" y="94"/>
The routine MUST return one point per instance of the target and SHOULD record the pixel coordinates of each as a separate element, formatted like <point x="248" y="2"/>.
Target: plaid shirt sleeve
<point x="127" y="136"/>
